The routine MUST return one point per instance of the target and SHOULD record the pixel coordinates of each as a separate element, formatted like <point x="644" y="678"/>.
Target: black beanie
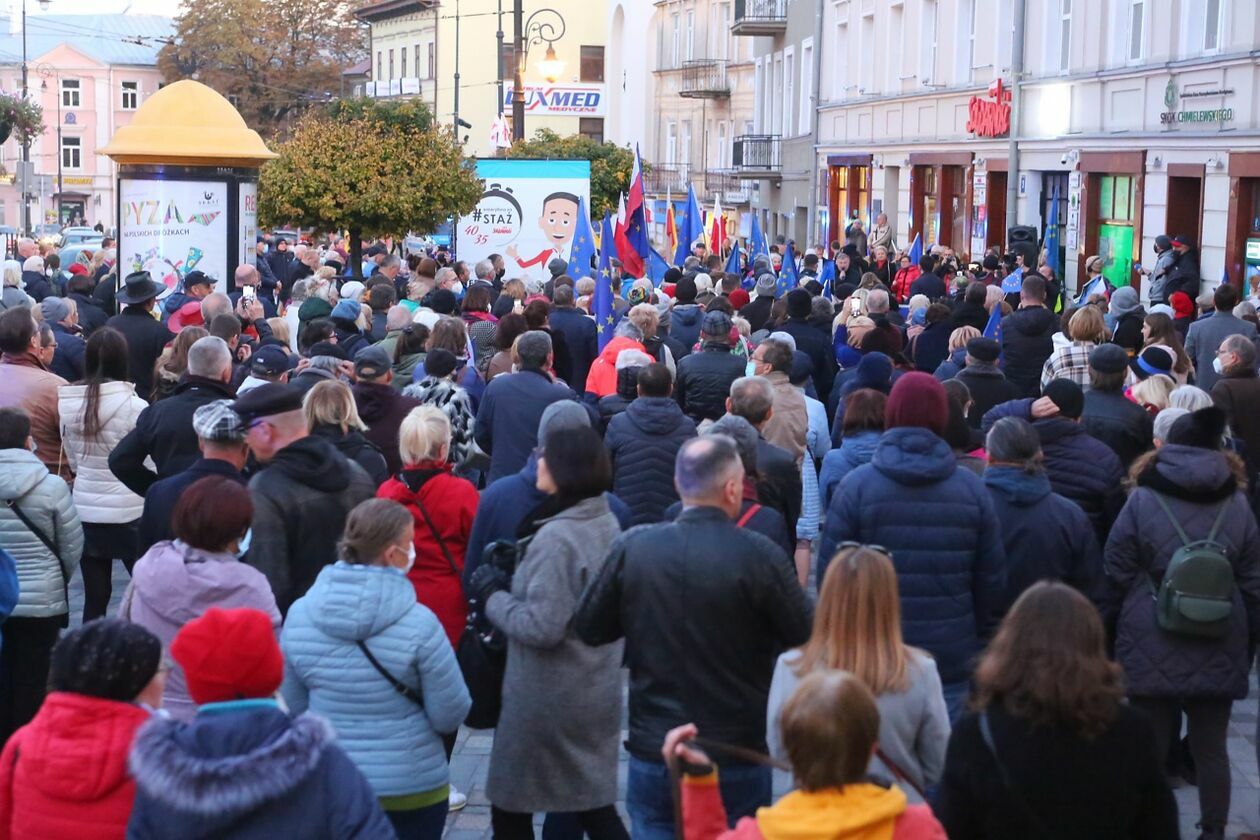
<point x="799" y="303"/>
<point x="108" y="658"/>
<point x="685" y="290"/>
<point x="1204" y="429"/>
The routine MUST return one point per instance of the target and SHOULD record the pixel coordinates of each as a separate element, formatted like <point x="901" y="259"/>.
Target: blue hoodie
<point x="855" y="450"/>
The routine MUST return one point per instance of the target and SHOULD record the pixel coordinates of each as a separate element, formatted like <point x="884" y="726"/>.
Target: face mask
<point x="750" y="369"/>
<point x="1217" y="366"/>
<point x="243" y="546"/>
<point x="411" y="558"/>
<point x="458" y="288"/>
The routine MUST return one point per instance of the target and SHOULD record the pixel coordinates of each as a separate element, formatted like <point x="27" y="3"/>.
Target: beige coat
<point x="789" y="421"/>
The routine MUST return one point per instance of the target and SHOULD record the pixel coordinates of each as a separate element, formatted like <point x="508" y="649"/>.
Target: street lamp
<point x="26" y="144"/>
<point x="46" y="70"/>
<point x="543" y="25"/>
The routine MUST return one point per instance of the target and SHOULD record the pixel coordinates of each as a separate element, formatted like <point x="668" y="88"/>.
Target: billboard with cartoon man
<point x="527" y="213"/>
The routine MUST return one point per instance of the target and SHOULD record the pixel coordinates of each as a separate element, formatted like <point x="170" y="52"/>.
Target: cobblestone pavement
<point x="471" y="760"/>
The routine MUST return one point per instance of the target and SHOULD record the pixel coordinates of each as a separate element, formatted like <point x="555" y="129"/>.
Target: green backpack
<point x="1196" y="596"/>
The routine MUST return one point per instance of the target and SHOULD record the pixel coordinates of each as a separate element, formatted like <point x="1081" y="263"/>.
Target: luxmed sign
<point x="560" y="100"/>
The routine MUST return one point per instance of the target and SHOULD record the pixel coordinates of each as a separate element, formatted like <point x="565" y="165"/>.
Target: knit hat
<point x="984" y="349"/>
<point x="218" y="421"/>
<point x="229" y="655"/>
<point x="672" y="275"/>
<point x="78" y="268"/>
<point x="1204" y="429"/>
<point x="108" y="658"/>
<point x="1124" y="300"/>
<point x="1108" y="358"/>
<point x="1183" y="306"/>
<point x="685" y="290"/>
<point x="561" y="416"/>
<point x="738" y="298"/>
<point x="633" y="358"/>
<point x="917" y="400"/>
<point x="1067" y="395"/>
<point x="799" y="303"/>
<point x="1153" y="360"/>
<point x="1163" y="242"/>
<point x="743" y="433"/>
<point x="874" y="371"/>
<point x="715" y="323"/>
<point x="1162" y="309"/>
<point x="347" y="310"/>
<point x="439" y="363"/>
<point x="353" y="290"/>
<point x="766" y="285"/>
<point x="54" y="309"/>
<point x="637" y="295"/>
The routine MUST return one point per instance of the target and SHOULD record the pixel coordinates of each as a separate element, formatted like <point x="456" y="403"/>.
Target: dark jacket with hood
<point x="1118" y="422"/>
<point x="644" y="442"/>
<point x="969" y="314"/>
<point x="1080" y="468"/>
<point x="614" y="404"/>
<point x="757" y="311"/>
<point x="1195" y="484"/>
<point x="1184" y="275"/>
<point x="301" y="500"/>
<point x="249" y="772"/>
<point x="383" y="409"/>
<point x="744" y="607"/>
<point x="146" y="338"/>
<point x="704" y="380"/>
<point x="931" y="347"/>
<point x="1045" y="536"/>
<point x="349" y="337"/>
<point x="684" y="323"/>
<point x="68" y="359"/>
<point x="37" y="285"/>
<point x="988" y="387"/>
<point x="817" y="345"/>
<point x="1027" y="341"/>
<point x="952" y="365"/>
<point x="355" y="446"/>
<point x="950" y="563"/>
<point x="91" y="316"/>
<point x="164" y="432"/>
<point x="580" y="338"/>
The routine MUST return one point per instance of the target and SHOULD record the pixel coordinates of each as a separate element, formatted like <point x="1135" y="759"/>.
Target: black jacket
<point x="931" y="347"/>
<point x="301" y="500"/>
<point x="817" y="344"/>
<point x="1128" y="332"/>
<point x="614" y="404"/>
<point x="357" y="448"/>
<point x="705" y="608"/>
<point x="1111" y="787"/>
<point x="988" y="387"/>
<point x="91" y="316"/>
<point x="580" y="339"/>
<point x="779" y="483"/>
<point x="164" y="431"/>
<point x="159" y="502"/>
<point x="757" y="312"/>
<point x="1118" y="422"/>
<point x="930" y="285"/>
<point x="644" y="441"/>
<point x="146" y="338"/>
<point x="1027" y="341"/>
<point x="68" y="359"/>
<point x="507" y="419"/>
<point x="703" y="381"/>
<point x="969" y="315"/>
<point x="37" y="285"/>
<point x="1184" y="275"/>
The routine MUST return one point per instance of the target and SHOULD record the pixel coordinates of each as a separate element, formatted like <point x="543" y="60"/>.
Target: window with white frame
<point x="789" y="90"/>
<point x="723" y="150"/>
<point x="71" y="153"/>
<point x="676" y="52"/>
<point x="691" y="35"/>
<point x="776" y="102"/>
<point x="894" y="55"/>
<point x="840" y="76"/>
<point x="671" y="143"/>
<point x="1136" y="48"/>
<point x="416" y="64"/>
<point x="866" y="66"/>
<point x="1212" y="18"/>
<point x="70" y="93"/>
<point x="402" y="63"/>
<point x="130" y="96"/>
<point x="1065" y="36"/>
<point x="807" y="85"/>
<point x="927" y="43"/>
<point x="967" y="52"/>
<point x="759" y="90"/>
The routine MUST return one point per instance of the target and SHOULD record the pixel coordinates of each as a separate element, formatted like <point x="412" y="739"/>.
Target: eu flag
<point x="733" y="262"/>
<point x="827" y="276"/>
<point x="787" y="273"/>
<point x="656" y="267"/>
<point x="1052" y="234"/>
<point x="916" y="250"/>
<point x="690" y="227"/>
<point x="757" y="242"/>
<point x="583" y="252"/>
<point x="602" y="300"/>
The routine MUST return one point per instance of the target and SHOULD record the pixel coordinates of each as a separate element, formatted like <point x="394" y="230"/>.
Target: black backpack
<point x="1196" y="596"/>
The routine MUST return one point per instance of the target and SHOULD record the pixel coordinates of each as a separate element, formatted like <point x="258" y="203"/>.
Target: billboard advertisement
<point x="168" y="228"/>
<point x="560" y="100"/>
<point x="247" y="198"/>
<point x="528" y="213"/>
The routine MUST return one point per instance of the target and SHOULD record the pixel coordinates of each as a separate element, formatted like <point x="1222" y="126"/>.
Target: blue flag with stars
<point x="827" y="276"/>
<point x="787" y="273"/>
<point x="602" y="300"/>
<point x="757" y="242"/>
<point x="656" y="267"/>
<point x="733" y="262"/>
<point x="916" y="250"/>
<point x="690" y="223"/>
<point x="583" y="252"/>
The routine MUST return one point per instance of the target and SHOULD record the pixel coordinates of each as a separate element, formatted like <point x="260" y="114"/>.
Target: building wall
<point x="400" y="49"/>
<point x="630" y="85"/>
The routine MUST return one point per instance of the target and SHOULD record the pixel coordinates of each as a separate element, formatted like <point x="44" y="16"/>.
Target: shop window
<point x="592" y="64"/>
<point x="1115" y="199"/>
<point x="592" y="128"/>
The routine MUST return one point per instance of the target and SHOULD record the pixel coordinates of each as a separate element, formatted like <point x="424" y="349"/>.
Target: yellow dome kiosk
<point x="187" y="186"/>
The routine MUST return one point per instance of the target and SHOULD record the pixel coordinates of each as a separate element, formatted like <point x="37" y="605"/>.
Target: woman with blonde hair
<point x="857" y="628"/>
<point x="173" y="363"/>
<point x="1085" y="331"/>
<point x="331" y="413"/>
<point x="321" y="296"/>
<point x="648" y="320"/>
<point x="957" y="347"/>
<point x="12" y="295"/>
<point x="1153" y="393"/>
<point x="280" y="330"/>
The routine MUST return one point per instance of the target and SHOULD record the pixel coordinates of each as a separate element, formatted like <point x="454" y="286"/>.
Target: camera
<point x="1063" y="160"/>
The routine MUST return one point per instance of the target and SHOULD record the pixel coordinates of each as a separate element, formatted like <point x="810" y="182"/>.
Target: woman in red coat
<point x="64" y="776"/>
<point x="443" y="507"/>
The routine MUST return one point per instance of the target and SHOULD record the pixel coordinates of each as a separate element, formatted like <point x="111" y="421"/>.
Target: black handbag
<point x="482" y="650"/>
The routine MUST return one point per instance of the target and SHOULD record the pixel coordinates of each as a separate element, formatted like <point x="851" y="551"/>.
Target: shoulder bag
<point x="49" y="544"/>
<point x="400" y="687"/>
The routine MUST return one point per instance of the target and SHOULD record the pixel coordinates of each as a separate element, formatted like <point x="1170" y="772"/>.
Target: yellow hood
<point x="854" y="812"/>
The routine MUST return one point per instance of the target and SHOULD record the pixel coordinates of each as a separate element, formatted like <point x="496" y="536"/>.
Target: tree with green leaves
<point x="611" y="165"/>
<point x="370" y="168"/>
<point x="271" y="58"/>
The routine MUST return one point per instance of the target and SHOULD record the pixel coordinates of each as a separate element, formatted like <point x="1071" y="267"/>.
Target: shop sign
<point x="979" y="213"/>
<point x="1171" y="115"/>
<point x="987" y="118"/>
<point x="1071" y="237"/>
<point x="560" y="100"/>
<point x="1253" y="251"/>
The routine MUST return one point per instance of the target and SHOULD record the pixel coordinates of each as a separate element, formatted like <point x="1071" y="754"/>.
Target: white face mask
<point x="243" y="546"/>
<point x="458" y="288"/>
<point x="1217" y="366"/>
<point x="750" y="369"/>
<point x="411" y="558"/>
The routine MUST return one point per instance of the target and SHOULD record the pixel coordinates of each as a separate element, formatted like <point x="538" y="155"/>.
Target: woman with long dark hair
<point x="1050" y="748"/>
<point x="1158" y="330"/>
<point x="95" y="415"/>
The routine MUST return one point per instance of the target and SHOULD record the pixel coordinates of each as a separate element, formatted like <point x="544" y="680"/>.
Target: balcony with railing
<point x="757" y="155"/>
<point x="760" y="17"/>
<point x="725" y="185"/>
<point x="666" y="178"/>
<point x="704" y="78"/>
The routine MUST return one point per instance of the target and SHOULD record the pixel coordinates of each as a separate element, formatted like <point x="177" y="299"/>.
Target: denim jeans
<point x="420" y="823"/>
<point x="650" y="799"/>
<point x="956" y="696"/>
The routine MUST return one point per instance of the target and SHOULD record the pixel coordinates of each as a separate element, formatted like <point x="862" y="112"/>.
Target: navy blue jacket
<point x="1045" y="536"/>
<point x="249" y="771"/>
<point x="68" y="359"/>
<point x="504" y="506"/>
<point x="1027" y="341"/>
<point x="817" y="345"/>
<point x="644" y="441"/>
<point x="946" y="543"/>
<point x="159" y="501"/>
<point x="579" y="337"/>
<point x="684" y="323"/>
<point x="930" y="285"/>
<point x="507" y="419"/>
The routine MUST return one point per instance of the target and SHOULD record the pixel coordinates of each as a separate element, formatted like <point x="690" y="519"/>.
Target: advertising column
<point x="168" y="228"/>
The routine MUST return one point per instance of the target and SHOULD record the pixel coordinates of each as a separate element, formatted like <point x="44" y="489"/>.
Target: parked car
<point x="47" y="233"/>
<point x="80" y="236"/>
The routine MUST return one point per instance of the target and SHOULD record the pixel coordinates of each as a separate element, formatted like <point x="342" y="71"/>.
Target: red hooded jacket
<point x="63" y="776"/>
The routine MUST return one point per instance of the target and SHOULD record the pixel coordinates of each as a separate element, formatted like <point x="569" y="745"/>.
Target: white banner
<point x="168" y="228"/>
<point x="560" y="100"/>
<point x="248" y="215"/>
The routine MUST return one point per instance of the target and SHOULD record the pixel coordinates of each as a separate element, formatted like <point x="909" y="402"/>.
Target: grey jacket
<point x="45" y="500"/>
<point x="913" y="724"/>
<point x="561" y="718"/>
<point x="1205" y="338"/>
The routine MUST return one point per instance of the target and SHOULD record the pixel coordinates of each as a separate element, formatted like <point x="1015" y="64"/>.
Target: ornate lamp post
<point x="544" y="25"/>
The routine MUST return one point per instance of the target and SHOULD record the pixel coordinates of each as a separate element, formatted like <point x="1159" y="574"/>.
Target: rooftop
<point x="110" y="39"/>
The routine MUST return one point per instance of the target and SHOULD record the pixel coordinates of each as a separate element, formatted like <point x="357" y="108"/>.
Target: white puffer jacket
<point x="100" y="497"/>
<point x="45" y="500"/>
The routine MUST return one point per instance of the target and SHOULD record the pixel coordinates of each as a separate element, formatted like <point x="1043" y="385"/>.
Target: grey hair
<point x="1015" y="441"/>
<point x="209" y="357"/>
<point x="484" y="270"/>
<point x="1189" y="397"/>
<point x="12" y="273"/>
<point x="627" y="329"/>
<point x="704" y="464"/>
<point x="390" y="261"/>
<point x="398" y="317"/>
<point x="1245" y="309"/>
<point x="1164" y="422"/>
<point x="298" y="292"/>
<point x="1243" y="348"/>
<point x="745" y="436"/>
<point x="215" y="303"/>
<point x="446" y="274"/>
<point x="533" y="348"/>
<point x="752" y="398"/>
<point x="877" y="301"/>
<point x="822" y="308"/>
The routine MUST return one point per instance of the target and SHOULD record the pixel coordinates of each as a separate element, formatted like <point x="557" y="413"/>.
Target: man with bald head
<point x="248" y="283"/>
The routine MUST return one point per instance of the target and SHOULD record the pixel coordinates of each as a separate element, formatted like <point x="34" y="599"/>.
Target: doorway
<point x="1185" y="206"/>
<point x="995" y="230"/>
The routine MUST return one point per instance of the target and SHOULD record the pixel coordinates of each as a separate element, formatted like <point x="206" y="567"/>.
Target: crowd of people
<point x="962" y="555"/>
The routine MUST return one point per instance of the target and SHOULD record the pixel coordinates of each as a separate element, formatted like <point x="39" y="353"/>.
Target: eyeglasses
<point x="870" y="546"/>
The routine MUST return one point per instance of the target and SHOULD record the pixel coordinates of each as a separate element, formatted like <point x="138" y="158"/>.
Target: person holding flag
<point x="690" y="227"/>
<point x="631" y="234"/>
<point x="602" y="299"/>
<point x="733" y="262"/>
<point x="788" y="279"/>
